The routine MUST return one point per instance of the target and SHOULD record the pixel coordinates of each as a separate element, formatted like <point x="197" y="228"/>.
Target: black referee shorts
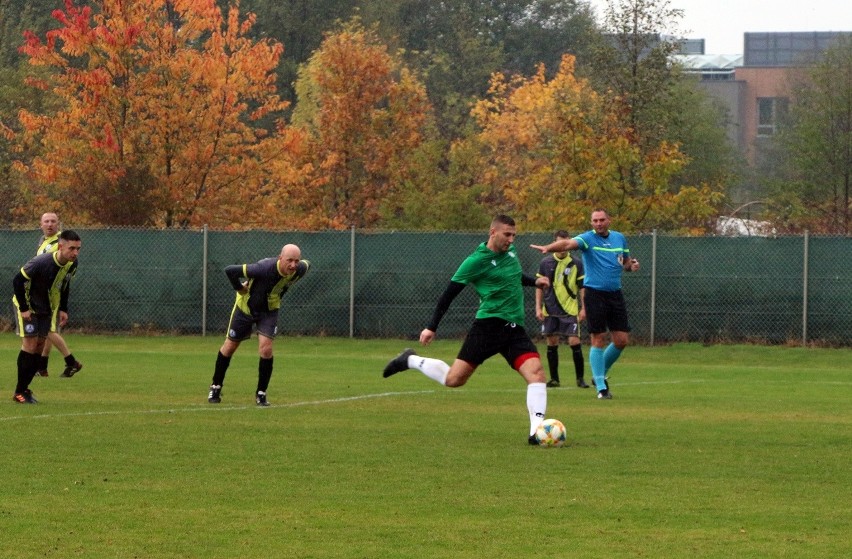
<point x="605" y="310"/>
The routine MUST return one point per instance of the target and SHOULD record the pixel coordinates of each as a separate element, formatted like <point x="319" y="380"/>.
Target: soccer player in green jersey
<point x="49" y="242"/>
<point x="41" y="298"/>
<point x="494" y="271"/>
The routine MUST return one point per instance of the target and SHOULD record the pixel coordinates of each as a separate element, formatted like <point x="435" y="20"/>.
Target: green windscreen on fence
<point x="386" y="284"/>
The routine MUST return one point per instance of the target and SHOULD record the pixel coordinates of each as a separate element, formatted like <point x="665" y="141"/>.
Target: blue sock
<point x="598" y="364"/>
<point x="611" y="355"/>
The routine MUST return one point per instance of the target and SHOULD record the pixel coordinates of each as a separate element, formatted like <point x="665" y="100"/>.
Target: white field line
<point x="218" y="407"/>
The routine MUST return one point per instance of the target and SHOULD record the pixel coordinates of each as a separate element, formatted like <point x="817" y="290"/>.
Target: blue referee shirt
<point x="603" y="259"/>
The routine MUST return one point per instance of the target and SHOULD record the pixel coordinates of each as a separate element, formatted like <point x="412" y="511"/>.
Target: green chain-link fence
<point x="385" y="284"/>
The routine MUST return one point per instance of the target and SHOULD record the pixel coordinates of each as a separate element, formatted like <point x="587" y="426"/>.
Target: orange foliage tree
<point x="364" y="114"/>
<point x="167" y="115"/>
<point x="552" y="150"/>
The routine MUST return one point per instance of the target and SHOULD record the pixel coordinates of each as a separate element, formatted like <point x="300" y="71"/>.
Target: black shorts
<point x="565" y="326"/>
<point x="38" y="326"/>
<point x="241" y="324"/>
<point x="605" y="310"/>
<point x="489" y="336"/>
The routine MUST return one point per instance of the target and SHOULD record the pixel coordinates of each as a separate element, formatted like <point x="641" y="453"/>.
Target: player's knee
<point x="620" y="339"/>
<point x="455" y="382"/>
<point x="536" y="376"/>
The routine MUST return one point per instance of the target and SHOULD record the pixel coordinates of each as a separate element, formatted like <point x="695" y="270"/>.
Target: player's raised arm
<point x="559" y="245"/>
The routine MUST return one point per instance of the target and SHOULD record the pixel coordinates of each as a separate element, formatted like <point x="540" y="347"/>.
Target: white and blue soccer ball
<point x="551" y="433"/>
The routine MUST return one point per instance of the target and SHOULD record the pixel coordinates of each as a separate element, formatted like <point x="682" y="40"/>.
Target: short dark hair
<point x="599" y="209"/>
<point x="504" y="219"/>
<point x="562" y="234"/>
<point x="69" y="235"/>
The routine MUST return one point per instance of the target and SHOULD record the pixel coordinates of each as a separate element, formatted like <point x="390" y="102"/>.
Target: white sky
<point x="722" y="23"/>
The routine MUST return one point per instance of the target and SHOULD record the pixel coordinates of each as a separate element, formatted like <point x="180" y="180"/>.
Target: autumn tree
<point x="457" y="44"/>
<point x="552" y="150"/>
<point x="635" y="69"/>
<point x="161" y="100"/>
<point x="15" y="206"/>
<point x="364" y="114"/>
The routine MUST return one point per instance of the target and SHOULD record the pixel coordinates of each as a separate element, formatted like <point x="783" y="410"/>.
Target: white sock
<point x="536" y="404"/>
<point x="435" y="369"/>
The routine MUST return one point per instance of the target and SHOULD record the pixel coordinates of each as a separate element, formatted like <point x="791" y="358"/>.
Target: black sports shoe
<point x="553" y="383"/>
<point x="604" y="394"/>
<point x="582" y="383"/>
<point x="42" y="373"/>
<point x="71" y="370"/>
<point x="533" y="440"/>
<point x="398" y="363"/>
<point x="25" y="397"/>
<point x="260" y="399"/>
<point x="215" y="395"/>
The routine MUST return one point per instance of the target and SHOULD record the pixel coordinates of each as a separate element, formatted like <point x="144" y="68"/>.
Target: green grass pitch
<point x="726" y="451"/>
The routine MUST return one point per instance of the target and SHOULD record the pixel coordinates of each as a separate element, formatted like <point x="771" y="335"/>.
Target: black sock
<point x="577" y="353"/>
<point x="68" y="360"/>
<point x="222" y="364"/>
<point x="42" y="362"/>
<point x="553" y="361"/>
<point x="27" y="367"/>
<point x="264" y="373"/>
<point x="23" y="380"/>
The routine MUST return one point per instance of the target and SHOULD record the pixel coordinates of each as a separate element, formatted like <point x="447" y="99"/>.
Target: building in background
<point x="754" y="85"/>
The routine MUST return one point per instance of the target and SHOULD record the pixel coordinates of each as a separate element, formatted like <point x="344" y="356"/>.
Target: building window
<point x="770" y="112"/>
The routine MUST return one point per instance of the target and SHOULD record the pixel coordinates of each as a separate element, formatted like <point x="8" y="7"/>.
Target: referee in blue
<point x="605" y="257"/>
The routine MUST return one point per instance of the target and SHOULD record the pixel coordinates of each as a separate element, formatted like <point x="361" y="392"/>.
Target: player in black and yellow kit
<point x="49" y="242"/>
<point x="42" y="288"/>
<point x="259" y="287"/>
<point x="559" y="309"/>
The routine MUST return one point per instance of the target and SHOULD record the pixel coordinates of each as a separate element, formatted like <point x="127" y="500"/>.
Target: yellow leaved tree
<point x="365" y="116"/>
<point x="552" y="150"/>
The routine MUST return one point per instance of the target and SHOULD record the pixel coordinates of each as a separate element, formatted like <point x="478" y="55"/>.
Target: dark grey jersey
<point x="42" y="284"/>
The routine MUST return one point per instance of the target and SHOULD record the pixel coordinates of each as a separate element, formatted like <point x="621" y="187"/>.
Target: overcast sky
<point x="722" y="22"/>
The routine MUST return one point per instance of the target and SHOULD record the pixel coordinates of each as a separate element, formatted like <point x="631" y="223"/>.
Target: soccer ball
<point x="551" y="432"/>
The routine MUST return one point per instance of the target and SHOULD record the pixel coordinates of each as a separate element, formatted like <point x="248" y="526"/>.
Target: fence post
<point x="352" y="282"/>
<point x="806" y="243"/>
<point x="653" y="285"/>
<point x="204" y="280"/>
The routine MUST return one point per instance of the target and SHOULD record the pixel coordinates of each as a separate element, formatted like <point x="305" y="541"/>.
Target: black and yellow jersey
<point x="266" y="284"/>
<point x="42" y="284"/>
<point x="48" y="244"/>
<point x="566" y="279"/>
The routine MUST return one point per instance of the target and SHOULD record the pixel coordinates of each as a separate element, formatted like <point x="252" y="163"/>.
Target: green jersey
<point x="497" y="280"/>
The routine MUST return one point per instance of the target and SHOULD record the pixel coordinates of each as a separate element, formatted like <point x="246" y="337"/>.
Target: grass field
<point x="727" y="451"/>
